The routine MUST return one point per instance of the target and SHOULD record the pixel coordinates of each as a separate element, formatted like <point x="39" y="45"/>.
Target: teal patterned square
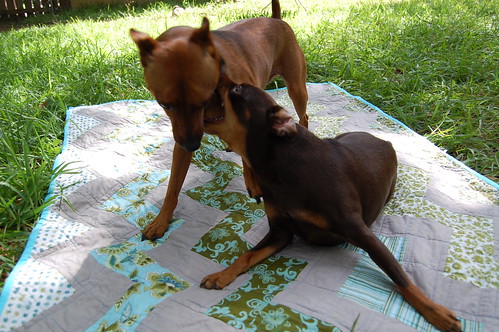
<point x="130" y="203"/>
<point x="152" y="282"/>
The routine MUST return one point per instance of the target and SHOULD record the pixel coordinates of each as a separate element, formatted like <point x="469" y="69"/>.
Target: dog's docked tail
<point x="276" y="9"/>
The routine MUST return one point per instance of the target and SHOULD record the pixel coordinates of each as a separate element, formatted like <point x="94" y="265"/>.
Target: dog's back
<point x="377" y="163"/>
<point x="313" y="174"/>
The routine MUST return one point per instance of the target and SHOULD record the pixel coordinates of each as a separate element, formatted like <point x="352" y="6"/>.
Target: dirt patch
<point x="5" y="27"/>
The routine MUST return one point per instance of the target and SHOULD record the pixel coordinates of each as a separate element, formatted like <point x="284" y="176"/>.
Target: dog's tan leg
<point x="293" y="70"/>
<point x="276" y="239"/>
<point x="221" y="279"/>
<point x="437" y="315"/>
<point x="252" y="185"/>
<point x="180" y="165"/>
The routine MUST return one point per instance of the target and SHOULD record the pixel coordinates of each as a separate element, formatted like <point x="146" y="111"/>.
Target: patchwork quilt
<point x="85" y="267"/>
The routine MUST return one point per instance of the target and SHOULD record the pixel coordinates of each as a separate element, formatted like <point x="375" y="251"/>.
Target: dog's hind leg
<point x="437" y="315"/>
<point x="299" y="96"/>
<point x="294" y="73"/>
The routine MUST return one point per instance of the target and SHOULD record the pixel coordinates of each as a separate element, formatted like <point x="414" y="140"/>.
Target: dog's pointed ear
<point x="145" y="43"/>
<point x="281" y="123"/>
<point x="202" y="36"/>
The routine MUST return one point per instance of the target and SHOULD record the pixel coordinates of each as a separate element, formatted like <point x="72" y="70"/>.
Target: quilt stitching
<point x="125" y="133"/>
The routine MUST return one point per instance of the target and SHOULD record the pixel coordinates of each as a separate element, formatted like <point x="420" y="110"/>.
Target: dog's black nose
<point x="191" y="145"/>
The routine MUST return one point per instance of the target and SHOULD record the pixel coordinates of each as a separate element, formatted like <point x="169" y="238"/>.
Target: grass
<point x="432" y="64"/>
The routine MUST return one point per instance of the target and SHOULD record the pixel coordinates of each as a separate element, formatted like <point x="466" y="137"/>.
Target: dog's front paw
<point x="258" y="198"/>
<point x="253" y="188"/>
<point x="155" y="230"/>
<point x="217" y="280"/>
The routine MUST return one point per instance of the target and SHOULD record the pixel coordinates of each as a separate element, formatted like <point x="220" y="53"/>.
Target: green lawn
<point x="431" y="64"/>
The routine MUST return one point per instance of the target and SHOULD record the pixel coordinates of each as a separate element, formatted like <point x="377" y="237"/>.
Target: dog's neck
<point x="222" y="72"/>
<point x="222" y="67"/>
<point x="220" y="75"/>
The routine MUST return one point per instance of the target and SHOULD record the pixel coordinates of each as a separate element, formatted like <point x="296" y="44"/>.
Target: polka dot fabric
<point x="37" y="288"/>
<point x="56" y="230"/>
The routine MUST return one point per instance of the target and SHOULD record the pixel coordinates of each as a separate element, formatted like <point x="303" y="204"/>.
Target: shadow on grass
<point x="116" y="11"/>
<point x="96" y="13"/>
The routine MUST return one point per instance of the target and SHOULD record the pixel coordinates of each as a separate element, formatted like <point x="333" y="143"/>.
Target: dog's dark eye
<point x="237" y="89"/>
<point x="166" y="107"/>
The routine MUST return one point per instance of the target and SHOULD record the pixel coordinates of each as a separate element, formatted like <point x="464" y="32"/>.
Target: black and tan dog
<point x="182" y="68"/>
<point x="325" y="191"/>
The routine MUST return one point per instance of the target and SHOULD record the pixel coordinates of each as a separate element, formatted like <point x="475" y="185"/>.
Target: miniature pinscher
<point x="326" y="191"/>
<point x="182" y="68"/>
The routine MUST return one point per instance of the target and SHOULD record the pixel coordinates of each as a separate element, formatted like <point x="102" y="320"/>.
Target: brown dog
<point x="182" y="68"/>
<point x="325" y="191"/>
